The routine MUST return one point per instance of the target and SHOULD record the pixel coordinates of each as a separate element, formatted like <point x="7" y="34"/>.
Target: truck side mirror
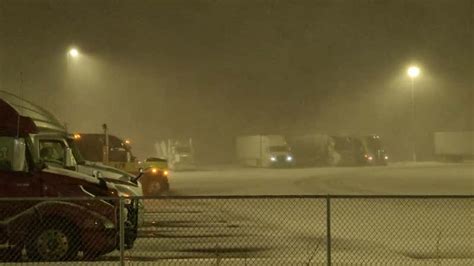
<point x="144" y="171"/>
<point x="19" y="155"/>
<point x="12" y="154"/>
<point x="69" y="161"/>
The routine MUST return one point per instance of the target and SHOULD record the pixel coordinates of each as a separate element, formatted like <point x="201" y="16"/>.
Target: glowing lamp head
<point x="154" y="171"/>
<point x="413" y="71"/>
<point x="77" y="136"/>
<point x="74" y="52"/>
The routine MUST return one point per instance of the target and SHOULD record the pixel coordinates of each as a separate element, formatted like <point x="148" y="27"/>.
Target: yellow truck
<point x="116" y="152"/>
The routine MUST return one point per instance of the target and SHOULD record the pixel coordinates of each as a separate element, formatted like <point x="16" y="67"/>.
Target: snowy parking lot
<point x="242" y="231"/>
<point x="390" y="231"/>
<point x="427" y="178"/>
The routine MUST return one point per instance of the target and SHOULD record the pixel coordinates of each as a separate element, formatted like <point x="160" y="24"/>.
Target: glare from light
<point x="74" y="52"/>
<point x="273" y="159"/>
<point x="127" y="141"/>
<point x="289" y="158"/>
<point x="165" y="173"/>
<point x="154" y="170"/>
<point x="77" y="136"/>
<point x="413" y="71"/>
<point x="370" y="158"/>
<point x="386" y="157"/>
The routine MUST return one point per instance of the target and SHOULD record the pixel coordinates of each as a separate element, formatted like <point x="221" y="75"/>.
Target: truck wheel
<point x="54" y="242"/>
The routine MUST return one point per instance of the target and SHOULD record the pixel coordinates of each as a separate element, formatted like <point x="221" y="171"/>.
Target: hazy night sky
<point x="212" y="70"/>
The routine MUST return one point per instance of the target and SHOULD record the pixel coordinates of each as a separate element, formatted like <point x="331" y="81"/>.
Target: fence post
<point x="121" y="231"/>
<point x="328" y="230"/>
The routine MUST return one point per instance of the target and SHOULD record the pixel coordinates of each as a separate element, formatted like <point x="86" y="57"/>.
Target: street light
<point x="413" y="72"/>
<point x="73" y="52"/>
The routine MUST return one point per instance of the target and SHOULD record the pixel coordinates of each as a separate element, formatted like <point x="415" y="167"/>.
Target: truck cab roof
<point x="33" y="118"/>
<point x="14" y="124"/>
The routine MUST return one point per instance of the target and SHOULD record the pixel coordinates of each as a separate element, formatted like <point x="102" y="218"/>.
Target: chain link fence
<point x="239" y="230"/>
<point x="402" y="230"/>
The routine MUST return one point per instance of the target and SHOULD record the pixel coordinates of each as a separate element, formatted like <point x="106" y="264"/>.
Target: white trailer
<point x="263" y="151"/>
<point x="454" y="146"/>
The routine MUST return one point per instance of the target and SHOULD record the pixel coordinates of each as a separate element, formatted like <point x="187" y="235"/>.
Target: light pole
<point x="413" y="72"/>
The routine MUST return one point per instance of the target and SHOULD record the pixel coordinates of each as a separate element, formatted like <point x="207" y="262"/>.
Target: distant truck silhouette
<point x="454" y="146"/>
<point x="264" y="151"/>
<point x="178" y="152"/>
<point x="337" y="150"/>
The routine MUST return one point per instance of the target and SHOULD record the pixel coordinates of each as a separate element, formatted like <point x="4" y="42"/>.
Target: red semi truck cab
<point x="49" y="229"/>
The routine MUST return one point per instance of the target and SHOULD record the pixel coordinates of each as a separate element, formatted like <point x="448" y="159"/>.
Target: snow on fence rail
<point x="239" y="230"/>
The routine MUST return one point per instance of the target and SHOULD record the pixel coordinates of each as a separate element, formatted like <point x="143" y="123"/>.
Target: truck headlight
<point x="386" y="157"/>
<point x="273" y="159"/>
<point x="289" y="158"/>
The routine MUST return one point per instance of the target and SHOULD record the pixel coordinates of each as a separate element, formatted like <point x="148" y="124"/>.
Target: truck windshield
<point x="153" y="159"/>
<point x="52" y="152"/>
<point x="278" y="149"/>
<point x="374" y="144"/>
<point x="76" y="152"/>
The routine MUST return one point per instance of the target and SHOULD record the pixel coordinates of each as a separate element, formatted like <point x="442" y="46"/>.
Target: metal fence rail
<point x="240" y="230"/>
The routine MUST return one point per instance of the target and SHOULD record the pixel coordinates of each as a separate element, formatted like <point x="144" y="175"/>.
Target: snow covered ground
<point x="293" y="231"/>
<point x="427" y="178"/>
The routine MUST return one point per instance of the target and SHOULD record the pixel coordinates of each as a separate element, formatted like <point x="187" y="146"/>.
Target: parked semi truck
<point x="454" y="146"/>
<point x="371" y="150"/>
<point x="178" y="152"/>
<point x="68" y="226"/>
<point x="52" y="141"/>
<point x="51" y="145"/>
<point x="337" y="150"/>
<point x="263" y="151"/>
